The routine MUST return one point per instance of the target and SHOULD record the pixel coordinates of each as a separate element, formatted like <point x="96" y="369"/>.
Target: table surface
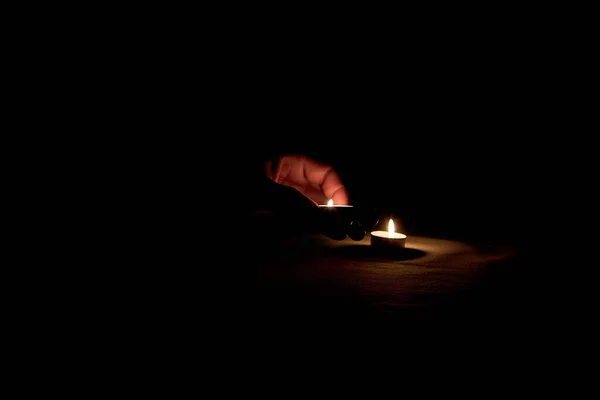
<point x="309" y="278"/>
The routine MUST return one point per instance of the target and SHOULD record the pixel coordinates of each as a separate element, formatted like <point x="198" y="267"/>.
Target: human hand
<point x="317" y="181"/>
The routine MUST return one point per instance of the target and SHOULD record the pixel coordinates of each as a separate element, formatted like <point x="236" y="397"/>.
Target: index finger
<point x="334" y="188"/>
<point x="316" y="180"/>
<point x="327" y="179"/>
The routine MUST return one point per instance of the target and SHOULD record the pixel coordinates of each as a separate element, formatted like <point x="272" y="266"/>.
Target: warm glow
<point x="391" y="228"/>
<point x="330" y="203"/>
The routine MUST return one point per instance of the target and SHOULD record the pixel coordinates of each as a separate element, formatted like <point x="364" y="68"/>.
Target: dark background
<point x="466" y="160"/>
<point x="456" y="133"/>
<point x="457" y="136"/>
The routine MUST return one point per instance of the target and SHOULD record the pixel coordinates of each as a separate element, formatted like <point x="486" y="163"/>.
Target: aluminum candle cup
<point x="334" y="207"/>
<point x="389" y="239"/>
<point x="385" y="240"/>
<point x="335" y="219"/>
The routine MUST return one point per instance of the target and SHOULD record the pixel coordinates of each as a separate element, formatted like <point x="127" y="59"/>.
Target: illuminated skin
<point x="317" y="181"/>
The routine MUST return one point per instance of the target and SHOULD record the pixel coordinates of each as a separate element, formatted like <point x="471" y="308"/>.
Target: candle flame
<point x="330" y="203"/>
<point x="391" y="228"/>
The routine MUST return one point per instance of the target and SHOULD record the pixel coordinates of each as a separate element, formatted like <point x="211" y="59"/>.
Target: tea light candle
<point x="332" y="206"/>
<point x="335" y="219"/>
<point x="389" y="238"/>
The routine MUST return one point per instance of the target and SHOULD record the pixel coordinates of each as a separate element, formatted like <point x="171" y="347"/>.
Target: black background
<point x="457" y="133"/>
<point x="461" y="155"/>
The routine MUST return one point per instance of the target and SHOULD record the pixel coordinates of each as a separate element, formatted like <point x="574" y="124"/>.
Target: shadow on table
<point x="362" y="251"/>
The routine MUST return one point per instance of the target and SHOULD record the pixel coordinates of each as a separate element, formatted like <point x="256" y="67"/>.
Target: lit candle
<point x="332" y="206"/>
<point x="335" y="219"/>
<point x="389" y="238"/>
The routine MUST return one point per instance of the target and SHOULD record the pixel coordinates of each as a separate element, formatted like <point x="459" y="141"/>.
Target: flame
<point x="330" y="203"/>
<point x="391" y="228"/>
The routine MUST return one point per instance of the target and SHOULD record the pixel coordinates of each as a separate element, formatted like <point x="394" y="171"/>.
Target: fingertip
<point x="341" y="197"/>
